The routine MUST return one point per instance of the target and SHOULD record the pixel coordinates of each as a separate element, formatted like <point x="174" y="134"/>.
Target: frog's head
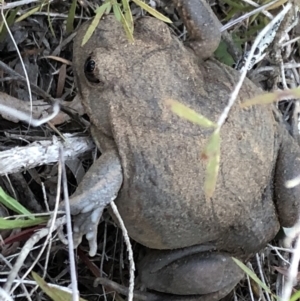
<point x="108" y="66"/>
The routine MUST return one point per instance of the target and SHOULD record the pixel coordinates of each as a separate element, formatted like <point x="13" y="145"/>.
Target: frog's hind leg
<point x="287" y="167"/>
<point x="201" y="276"/>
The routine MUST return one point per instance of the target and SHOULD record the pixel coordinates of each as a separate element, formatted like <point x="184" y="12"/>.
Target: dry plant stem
<point x="43" y="152"/>
<point x="247" y="15"/>
<point x="283" y="79"/>
<point x="103" y="249"/>
<point x="27" y="282"/>
<point x="47" y="241"/>
<point x="102" y="258"/>
<point x="21" y="60"/>
<point x="249" y="283"/>
<point x="75" y="294"/>
<point x="238" y="86"/>
<point x="28" y="118"/>
<point x="4" y="296"/>
<point x="265" y="12"/>
<point x="292" y="271"/>
<point x="261" y="273"/>
<point x="55" y="212"/>
<point x="290" y="41"/>
<point x="18" y="3"/>
<point x="2" y="258"/>
<point x="138" y="295"/>
<point x="25" y="251"/>
<point x="129" y="249"/>
<point x="279" y="254"/>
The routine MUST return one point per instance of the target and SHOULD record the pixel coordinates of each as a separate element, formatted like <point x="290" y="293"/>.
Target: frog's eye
<point x="89" y="70"/>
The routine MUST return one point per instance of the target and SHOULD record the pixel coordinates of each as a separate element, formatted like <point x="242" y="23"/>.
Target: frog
<point x="151" y="164"/>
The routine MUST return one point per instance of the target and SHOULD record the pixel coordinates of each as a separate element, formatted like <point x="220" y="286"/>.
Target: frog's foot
<point x="202" y="24"/>
<point x="87" y="224"/>
<point x="202" y="276"/>
<point x="98" y="189"/>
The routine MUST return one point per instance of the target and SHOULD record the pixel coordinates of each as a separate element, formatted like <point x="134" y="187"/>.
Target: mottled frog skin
<point x="151" y="159"/>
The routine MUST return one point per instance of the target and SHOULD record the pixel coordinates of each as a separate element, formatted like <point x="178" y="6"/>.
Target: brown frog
<point x="151" y="159"/>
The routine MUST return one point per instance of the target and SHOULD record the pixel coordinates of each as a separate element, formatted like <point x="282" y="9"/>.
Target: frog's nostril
<point x="89" y="70"/>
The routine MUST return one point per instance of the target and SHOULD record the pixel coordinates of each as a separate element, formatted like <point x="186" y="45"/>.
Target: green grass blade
<point x="295" y="296"/>
<point x="117" y="11"/>
<point x="99" y="13"/>
<point x="71" y="17"/>
<point x="127" y="27"/>
<point x="9" y="224"/>
<point x="11" y="16"/>
<point x="128" y="15"/>
<point x="252" y="275"/>
<point x="49" y="20"/>
<point x="13" y="204"/>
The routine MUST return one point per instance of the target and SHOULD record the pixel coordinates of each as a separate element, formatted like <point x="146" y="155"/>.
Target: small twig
<point x="265" y="12"/>
<point x="102" y="258"/>
<point x="43" y="152"/>
<point x="37" y="236"/>
<point x="18" y="3"/>
<point x="138" y="295"/>
<point x="276" y="249"/>
<point x="28" y="117"/>
<point x="262" y="277"/>
<point x="247" y="15"/>
<point x="2" y="258"/>
<point x="129" y="249"/>
<point x="249" y="283"/>
<point x="75" y="294"/>
<point x="4" y="296"/>
<point x="293" y="270"/>
<point x="238" y="86"/>
<point x="21" y="60"/>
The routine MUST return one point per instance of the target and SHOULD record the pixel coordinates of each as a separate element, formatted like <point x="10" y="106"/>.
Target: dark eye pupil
<point x="89" y="68"/>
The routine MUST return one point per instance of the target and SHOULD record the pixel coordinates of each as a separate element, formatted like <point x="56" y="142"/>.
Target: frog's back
<point x="162" y="199"/>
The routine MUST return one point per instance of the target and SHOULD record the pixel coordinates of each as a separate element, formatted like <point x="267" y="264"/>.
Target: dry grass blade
<point x="29" y="13"/>
<point x="268" y="98"/>
<point x="277" y="4"/>
<point x="189" y="114"/>
<point x="212" y="154"/>
<point x="152" y="11"/>
<point x="53" y="292"/>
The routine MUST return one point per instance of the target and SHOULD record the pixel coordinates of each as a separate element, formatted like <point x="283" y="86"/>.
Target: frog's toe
<point x="87" y="224"/>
